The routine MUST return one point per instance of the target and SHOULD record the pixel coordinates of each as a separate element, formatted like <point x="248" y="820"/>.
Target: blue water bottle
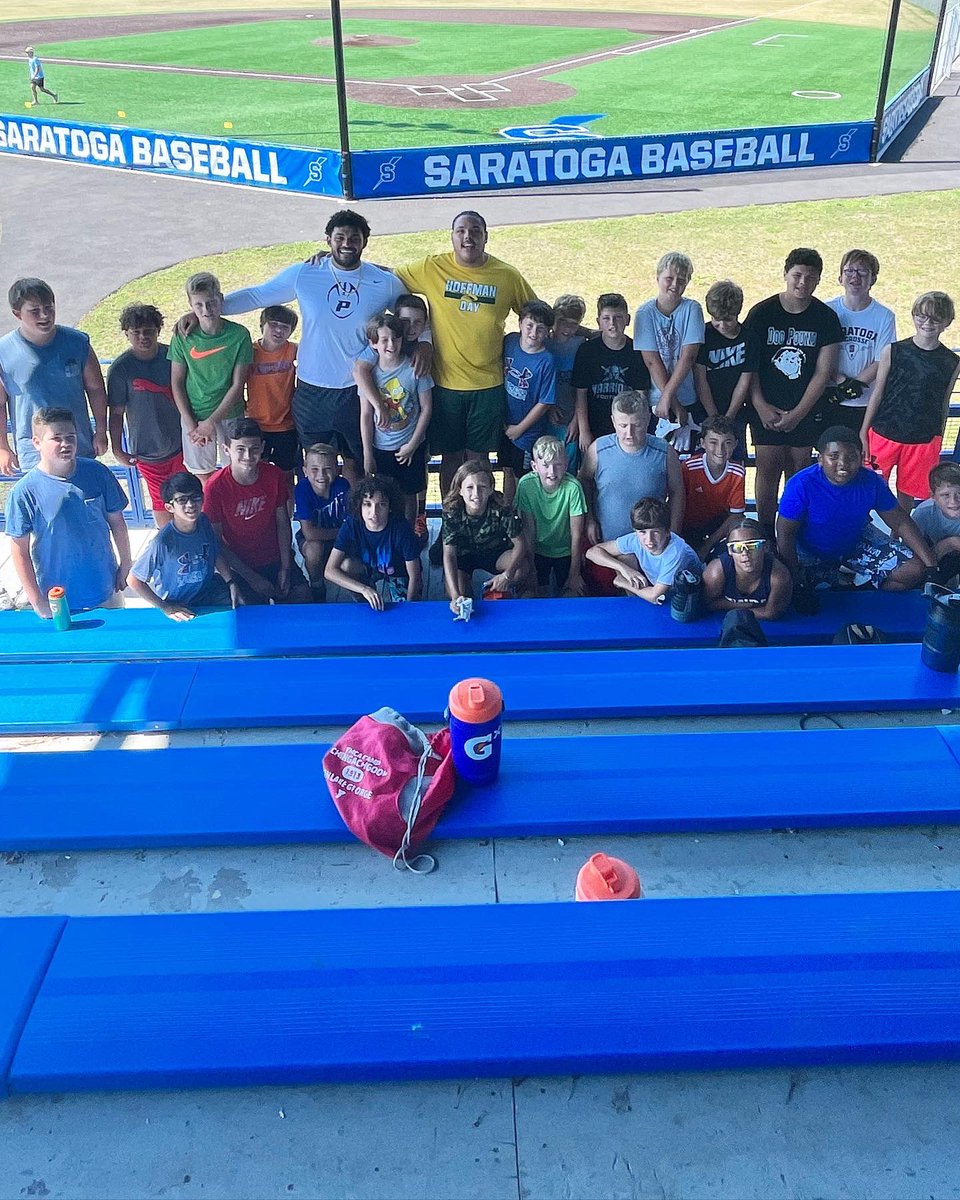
<point x="941" y="637"/>
<point x="475" y="709"/>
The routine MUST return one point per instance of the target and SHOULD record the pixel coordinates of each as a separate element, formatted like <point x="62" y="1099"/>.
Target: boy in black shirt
<point x="721" y="371"/>
<point x="604" y="367"/>
<point x="793" y="343"/>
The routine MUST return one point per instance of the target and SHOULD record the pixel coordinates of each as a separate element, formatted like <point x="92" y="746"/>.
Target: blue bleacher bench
<point x="27" y="945"/>
<point x="353" y="995"/>
<point x="550" y="787"/>
<point x="138" y="634"/>
<point x="576" y="684"/>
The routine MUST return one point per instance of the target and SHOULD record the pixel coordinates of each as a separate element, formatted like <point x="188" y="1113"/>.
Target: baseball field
<point x="429" y="75"/>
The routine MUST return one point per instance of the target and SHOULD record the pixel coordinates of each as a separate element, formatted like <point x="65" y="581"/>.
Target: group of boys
<point x="217" y="423"/>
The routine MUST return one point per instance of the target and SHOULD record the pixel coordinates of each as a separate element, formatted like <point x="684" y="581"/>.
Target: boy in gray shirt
<point x="183" y="568"/>
<point x="393" y="423"/>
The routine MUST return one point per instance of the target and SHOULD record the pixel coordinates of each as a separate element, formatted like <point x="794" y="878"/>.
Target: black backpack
<point x="860" y="635"/>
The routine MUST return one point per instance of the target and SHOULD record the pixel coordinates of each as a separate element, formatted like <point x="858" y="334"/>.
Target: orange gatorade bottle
<point x="604" y="878"/>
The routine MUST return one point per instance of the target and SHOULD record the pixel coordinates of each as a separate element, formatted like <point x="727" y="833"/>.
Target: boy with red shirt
<point x="270" y="384"/>
<point x="247" y="503"/>
<point x="713" y="487"/>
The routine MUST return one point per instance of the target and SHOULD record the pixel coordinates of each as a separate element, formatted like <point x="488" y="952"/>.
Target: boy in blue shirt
<point x="46" y="365"/>
<point x="35" y="69"/>
<point x="320" y="503"/>
<point x="530" y="381"/>
<point x="376" y="554"/>
<point x="183" y="568"/>
<point x="824" y="532"/>
<point x="61" y="517"/>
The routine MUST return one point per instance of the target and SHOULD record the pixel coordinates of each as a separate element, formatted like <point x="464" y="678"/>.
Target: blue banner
<point x="249" y="164"/>
<point x="901" y="108"/>
<point x="440" y="170"/>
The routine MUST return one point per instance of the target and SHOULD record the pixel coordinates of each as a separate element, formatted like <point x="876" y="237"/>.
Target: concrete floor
<point x="861" y="1132"/>
<point x="847" y="1132"/>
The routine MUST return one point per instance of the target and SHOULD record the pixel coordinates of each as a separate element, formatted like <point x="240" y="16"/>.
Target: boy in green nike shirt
<point x="208" y="369"/>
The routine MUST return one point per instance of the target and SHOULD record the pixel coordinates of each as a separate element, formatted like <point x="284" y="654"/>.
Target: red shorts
<point x="913" y="462"/>
<point x="599" y="580"/>
<point x="154" y="474"/>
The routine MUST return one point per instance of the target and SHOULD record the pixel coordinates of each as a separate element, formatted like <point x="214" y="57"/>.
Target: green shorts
<point x="467" y="420"/>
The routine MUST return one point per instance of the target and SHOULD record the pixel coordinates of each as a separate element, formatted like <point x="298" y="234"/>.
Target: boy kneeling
<point x="183" y="569"/>
<point x="376" y="554"/>
<point x="647" y="560"/>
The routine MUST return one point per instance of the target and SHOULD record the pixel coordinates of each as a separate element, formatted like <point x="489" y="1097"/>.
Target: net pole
<point x="884" y="77"/>
<point x="346" y="173"/>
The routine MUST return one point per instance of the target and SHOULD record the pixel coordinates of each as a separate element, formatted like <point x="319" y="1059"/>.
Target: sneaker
<point x="6" y="602"/>
<point x="421" y="531"/>
<point x="435" y="553"/>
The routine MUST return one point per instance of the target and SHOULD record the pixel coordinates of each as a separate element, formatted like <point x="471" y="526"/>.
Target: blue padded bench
<point x="495" y="990"/>
<point x="575" y="684"/>
<point x="91" y="697"/>
<point x="555" y="787"/>
<point x="247" y="693"/>
<point x="26" y="948"/>
<point x="139" y="634"/>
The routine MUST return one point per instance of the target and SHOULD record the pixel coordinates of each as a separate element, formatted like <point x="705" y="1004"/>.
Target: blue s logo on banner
<point x="593" y="159"/>
<point x="280" y="168"/>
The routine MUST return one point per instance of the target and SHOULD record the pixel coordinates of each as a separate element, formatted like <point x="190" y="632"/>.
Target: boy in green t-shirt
<point x="208" y="368"/>
<point x="552" y="507"/>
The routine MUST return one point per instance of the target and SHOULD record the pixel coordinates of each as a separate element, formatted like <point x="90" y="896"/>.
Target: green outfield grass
<point x="288" y="47"/>
<point x="722" y="80"/>
<point x="619" y="254"/>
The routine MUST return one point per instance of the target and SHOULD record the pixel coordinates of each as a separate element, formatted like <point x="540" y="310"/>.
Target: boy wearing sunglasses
<point x="746" y="575"/>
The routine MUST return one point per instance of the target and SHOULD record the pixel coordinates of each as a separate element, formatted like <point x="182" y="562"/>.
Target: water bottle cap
<point x="475" y="700"/>
<point x="604" y="878"/>
<point x="56" y="593"/>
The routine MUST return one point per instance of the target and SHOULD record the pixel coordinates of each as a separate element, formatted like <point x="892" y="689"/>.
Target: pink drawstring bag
<point x="390" y="783"/>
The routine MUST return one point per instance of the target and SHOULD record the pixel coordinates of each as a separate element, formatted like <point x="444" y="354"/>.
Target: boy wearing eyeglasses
<point x="904" y="421"/>
<point x="184" y="568"/>
<point x="868" y="328"/>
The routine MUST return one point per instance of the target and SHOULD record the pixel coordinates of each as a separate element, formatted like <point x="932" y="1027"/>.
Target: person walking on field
<point x="35" y="67"/>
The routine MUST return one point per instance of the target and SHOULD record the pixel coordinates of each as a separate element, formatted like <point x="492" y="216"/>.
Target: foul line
<point x="636" y="48"/>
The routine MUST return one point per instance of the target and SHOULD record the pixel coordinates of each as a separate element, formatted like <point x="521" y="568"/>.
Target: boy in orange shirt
<point x="270" y="384"/>
<point x="713" y="486"/>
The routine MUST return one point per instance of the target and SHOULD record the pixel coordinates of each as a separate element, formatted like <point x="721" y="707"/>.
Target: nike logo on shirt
<point x="195" y="353"/>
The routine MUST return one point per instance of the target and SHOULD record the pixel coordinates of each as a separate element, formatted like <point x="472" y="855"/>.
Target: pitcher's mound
<point x="370" y="40"/>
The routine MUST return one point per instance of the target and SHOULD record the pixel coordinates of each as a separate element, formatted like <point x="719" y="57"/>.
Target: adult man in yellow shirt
<point x="470" y="294"/>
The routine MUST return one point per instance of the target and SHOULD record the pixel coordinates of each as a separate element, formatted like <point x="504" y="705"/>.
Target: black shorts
<point x="215" y="594"/>
<point x="411" y="477"/>
<point x="512" y="457"/>
<point x="559" y="568"/>
<point x="282" y="448"/>
<point x="482" y="560"/>
<point x="805" y="434"/>
<point x="272" y="573"/>
<point x="330" y="415"/>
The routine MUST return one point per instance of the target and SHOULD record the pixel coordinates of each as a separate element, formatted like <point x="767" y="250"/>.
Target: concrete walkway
<point x="69" y="222"/>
